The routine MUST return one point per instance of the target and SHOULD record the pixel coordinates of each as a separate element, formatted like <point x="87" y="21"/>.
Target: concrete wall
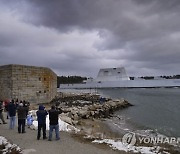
<point x="34" y="84"/>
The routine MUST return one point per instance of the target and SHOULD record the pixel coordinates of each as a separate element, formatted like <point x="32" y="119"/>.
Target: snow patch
<point x="129" y="148"/>
<point x="8" y="147"/>
<point x="27" y="151"/>
<point x="63" y="126"/>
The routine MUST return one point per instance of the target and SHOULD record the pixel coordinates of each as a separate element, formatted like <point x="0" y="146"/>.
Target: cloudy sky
<point x="78" y="37"/>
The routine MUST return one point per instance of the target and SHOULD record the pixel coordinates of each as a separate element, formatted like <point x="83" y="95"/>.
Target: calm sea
<point x="154" y="110"/>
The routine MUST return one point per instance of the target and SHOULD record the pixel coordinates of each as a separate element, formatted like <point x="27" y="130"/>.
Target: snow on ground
<point x="63" y="126"/>
<point x="129" y="148"/>
<point x="8" y="147"/>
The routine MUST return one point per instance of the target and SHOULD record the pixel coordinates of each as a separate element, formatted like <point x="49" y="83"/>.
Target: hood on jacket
<point x="41" y="107"/>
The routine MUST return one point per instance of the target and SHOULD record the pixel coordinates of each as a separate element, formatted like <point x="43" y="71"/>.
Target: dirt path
<point x="66" y="145"/>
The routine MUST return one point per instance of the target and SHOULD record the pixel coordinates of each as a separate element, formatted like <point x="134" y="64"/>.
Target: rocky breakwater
<point x="87" y="106"/>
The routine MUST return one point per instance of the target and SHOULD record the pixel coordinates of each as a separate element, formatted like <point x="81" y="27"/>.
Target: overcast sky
<point x="78" y="37"/>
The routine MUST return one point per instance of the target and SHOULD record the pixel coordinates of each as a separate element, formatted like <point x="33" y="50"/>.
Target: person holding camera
<point x="53" y="122"/>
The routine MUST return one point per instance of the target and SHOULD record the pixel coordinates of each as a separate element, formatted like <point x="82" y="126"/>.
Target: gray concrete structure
<point x="30" y="83"/>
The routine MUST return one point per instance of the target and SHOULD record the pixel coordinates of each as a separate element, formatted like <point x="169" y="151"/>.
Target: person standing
<point x="17" y="103"/>
<point x="6" y="104"/>
<point x="12" y="114"/>
<point x="22" y="113"/>
<point x="1" y="112"/>
<point x="41" y="117"/>
<point x="53" y="122"/>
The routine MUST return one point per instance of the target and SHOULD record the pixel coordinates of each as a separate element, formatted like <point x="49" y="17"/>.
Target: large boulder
<point x="66" y="119"/>
<point x="75" y="117"/>
<point x="83" y="113"/>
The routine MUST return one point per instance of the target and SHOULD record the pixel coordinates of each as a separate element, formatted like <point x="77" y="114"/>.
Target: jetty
<point x="77" y="107"/>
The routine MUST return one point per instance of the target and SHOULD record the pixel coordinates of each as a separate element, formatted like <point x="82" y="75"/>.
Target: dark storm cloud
<point x="138" y="34"/>
<point x="115" y="15"/>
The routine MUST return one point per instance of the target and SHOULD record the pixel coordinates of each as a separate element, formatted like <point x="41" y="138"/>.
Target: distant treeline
<point x="171" y="77"/>
<point x="69" y="79"/>
<point x="152" y="77"/>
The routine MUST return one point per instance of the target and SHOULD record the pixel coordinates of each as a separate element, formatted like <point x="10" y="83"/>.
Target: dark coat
<point x="53" y="116"/>
<point x="22" y="112"/>
<point x="12" y="109"/>
<point x="1" y="107"/>
<point x="41" y="115"/>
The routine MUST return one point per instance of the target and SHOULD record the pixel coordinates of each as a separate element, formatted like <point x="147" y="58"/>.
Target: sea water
<point x="155" y="110"/>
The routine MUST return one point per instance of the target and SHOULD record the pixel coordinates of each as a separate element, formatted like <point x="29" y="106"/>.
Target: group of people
<point x="13" y="107"/>
<point x="53" y="122"/>
<point x="22" y="109"/>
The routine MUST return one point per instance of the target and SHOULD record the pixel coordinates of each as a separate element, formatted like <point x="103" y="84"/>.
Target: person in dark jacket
<point x="12" y="114"/>
<point x="22" y="113"/>
<point x="41" y="117"/>
<point x="6" y="104"/>
<point x="53" y="122"/>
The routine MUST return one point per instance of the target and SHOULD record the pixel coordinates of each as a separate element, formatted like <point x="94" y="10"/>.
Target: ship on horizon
<point x="118" y="78"/>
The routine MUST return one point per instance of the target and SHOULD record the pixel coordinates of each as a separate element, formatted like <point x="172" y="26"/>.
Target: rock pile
<point x="86" y="106"/>
<point x="73" y="114"/>
<point x="71" y="99"/>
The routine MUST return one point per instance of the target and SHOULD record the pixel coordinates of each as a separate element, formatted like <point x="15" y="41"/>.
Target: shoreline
<point x="94" y="128"/>
<point x="97" y="129"/>
<point x="19" y="139"/>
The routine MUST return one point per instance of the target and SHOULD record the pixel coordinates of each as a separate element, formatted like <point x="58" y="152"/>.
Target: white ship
<point x="118" y="78"/>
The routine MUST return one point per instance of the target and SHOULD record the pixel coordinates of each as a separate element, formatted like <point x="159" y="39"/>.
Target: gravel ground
<point x="66" y="145"/>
